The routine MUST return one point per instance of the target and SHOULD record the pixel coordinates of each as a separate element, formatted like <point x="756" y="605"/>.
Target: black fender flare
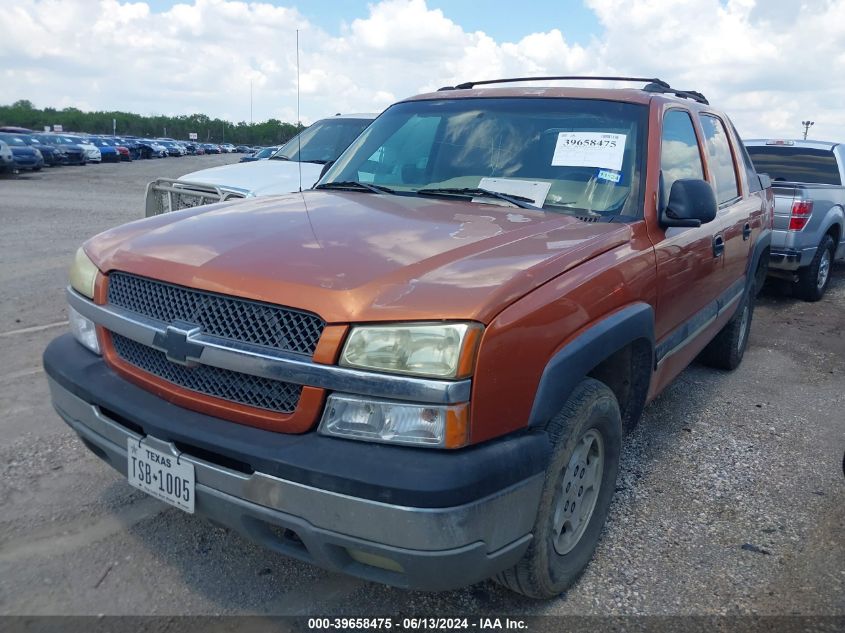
<point x="571" y="364"/>
<point x="763" y="242"/>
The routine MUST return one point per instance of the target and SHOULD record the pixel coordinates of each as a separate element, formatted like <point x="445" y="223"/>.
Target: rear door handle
<point x="718" y="246"/>
<point x="746" y="232"/>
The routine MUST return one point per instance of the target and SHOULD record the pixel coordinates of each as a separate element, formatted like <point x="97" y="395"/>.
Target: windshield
<point x="266" y="152"/>
<point x="570" y="155"/>
<point x="12" y="140"/>
<point x="322" y="142"/>
<point x="795" y="164"/>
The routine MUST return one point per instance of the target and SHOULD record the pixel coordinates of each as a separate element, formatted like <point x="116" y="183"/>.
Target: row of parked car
<point x="22" y="149"/>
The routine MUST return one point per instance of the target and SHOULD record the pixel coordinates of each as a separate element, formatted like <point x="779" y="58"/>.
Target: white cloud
<point x="769" y="63"/>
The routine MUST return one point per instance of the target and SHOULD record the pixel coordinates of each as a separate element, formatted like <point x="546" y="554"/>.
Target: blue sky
<point x="497" y="18"/>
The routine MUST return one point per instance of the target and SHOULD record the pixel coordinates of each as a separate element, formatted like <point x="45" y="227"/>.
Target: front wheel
<point x="813" y="279"/>
<point x="587" y="438"/>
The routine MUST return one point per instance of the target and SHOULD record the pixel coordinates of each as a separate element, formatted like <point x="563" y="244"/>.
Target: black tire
<point x="544" y="571"/>
<point x="36" y="169"/>
<point x="728" y="347"/>
<point x="813" y="279"/>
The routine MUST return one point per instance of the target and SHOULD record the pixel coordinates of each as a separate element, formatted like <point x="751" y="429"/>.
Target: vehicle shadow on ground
<point x="241" y="577"/>
<point x="24" y="175"/>
<point x="778" y="291"/>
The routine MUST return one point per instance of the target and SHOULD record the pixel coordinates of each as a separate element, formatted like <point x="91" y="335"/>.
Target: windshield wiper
<point x="354" y="185"/>
<point x="518" y="201"/>
<point x="279" y="157"/>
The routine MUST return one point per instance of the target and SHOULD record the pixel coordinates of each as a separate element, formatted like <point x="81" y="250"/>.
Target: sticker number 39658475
<point x="589" y="149"/>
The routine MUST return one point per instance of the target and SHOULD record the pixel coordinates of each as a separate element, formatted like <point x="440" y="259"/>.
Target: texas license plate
<point x="161" y="475"/>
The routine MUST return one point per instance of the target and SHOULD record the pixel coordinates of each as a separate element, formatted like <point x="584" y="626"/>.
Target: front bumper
<point x="28" y="162"/>
<point x="440" y="519"/>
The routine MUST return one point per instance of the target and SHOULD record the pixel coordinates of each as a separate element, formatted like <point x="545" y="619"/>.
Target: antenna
<point x="298" y="120"/>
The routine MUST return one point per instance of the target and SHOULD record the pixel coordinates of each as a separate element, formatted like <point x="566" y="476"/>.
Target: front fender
<point x="571" y="364"/>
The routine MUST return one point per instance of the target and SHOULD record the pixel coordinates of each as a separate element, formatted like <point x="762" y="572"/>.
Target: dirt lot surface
<point x="730" y="498"/>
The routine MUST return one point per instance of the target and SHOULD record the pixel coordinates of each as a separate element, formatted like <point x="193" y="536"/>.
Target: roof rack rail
<point x="652" y="84"/>
<point x="686" y="94"/>
<point x="470" y="84"/>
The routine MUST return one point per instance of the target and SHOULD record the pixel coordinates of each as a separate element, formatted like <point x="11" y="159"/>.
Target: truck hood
<point x="259" y="178"/>
<point x="354" y="257"/>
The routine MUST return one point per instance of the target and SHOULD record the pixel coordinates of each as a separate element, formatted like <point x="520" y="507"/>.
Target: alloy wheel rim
<point x="577" y="493"/>
<point x="824" y="270"/>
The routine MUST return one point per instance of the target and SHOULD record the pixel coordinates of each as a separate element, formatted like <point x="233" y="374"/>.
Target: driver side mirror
<point x="691" y="203"/>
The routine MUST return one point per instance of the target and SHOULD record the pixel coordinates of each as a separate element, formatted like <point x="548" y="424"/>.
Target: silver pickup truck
<point x="809" y="231"/>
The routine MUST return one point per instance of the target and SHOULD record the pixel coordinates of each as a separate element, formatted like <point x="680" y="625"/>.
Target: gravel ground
<point x="730" y="498"/>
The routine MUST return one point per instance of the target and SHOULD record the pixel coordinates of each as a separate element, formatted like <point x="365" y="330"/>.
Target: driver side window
<point x="679" y="154"/>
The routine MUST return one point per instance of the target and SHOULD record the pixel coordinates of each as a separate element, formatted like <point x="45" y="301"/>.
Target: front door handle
<point x="746" y="232"/>
<point x="718" y="246"/>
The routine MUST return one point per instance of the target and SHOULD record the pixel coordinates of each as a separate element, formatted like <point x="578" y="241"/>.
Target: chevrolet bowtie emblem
<point x="176" y="344"/>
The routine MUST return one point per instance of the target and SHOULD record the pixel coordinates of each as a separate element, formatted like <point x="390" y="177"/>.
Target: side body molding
<point x="572" y="363"/>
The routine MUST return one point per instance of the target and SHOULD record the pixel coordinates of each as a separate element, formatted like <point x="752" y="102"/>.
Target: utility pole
<point x="250" y="101"/>
<point x="807" y="125"/>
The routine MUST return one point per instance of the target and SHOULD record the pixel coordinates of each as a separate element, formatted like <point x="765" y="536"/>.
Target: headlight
<point x="38" y="153"/>
<point x="83" y="274"/>
<point x="83" y="330"/>
<point x="388" y="421"/>
<point x="437" y="350"/>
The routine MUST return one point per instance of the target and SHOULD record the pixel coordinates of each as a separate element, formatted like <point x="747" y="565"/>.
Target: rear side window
<point x="796" y="164"/>
<point x="746" y="165"/>
<point x="720" y="159"/>
<point x="679" y="154"/>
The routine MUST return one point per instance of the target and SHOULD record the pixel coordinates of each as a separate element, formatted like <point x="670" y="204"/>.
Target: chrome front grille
<point x="252" y="391"/>
<point x="232" y="318"/>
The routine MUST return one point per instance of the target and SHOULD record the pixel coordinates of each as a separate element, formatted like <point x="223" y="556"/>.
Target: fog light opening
<point x="375" y="560"/>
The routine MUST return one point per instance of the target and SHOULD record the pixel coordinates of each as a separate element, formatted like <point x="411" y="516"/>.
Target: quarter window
<point x="679" y="155"/>
<point x="720" y="159"/>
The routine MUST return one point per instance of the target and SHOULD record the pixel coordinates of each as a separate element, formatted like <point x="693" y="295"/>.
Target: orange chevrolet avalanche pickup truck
<point x="421" y="371"/>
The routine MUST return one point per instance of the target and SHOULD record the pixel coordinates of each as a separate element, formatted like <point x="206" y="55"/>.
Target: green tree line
<point x="271" y="132"/>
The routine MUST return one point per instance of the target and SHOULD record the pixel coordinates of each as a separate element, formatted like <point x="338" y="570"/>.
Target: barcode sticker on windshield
<point x="589" y="149"/>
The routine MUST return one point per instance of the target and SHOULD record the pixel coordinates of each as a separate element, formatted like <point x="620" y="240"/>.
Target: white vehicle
<point x="92" y="152"/>
<point x="303" y="156"/>
<point x="7" y="160"/>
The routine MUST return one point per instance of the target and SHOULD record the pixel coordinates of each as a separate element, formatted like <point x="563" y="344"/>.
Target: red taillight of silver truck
<point x="801" y="211"/>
